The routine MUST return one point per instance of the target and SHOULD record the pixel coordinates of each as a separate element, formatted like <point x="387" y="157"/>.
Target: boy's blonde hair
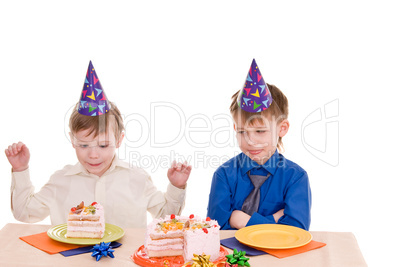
<point x="97" y="124"/>
<point x="278" y="111"/>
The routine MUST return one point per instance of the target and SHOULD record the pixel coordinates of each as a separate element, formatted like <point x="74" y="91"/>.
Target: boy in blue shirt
<point x="260" y="186"/>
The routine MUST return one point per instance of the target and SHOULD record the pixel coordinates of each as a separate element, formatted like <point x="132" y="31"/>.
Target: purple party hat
<point x="255" y="95"/>
<point x="93" y="100"/>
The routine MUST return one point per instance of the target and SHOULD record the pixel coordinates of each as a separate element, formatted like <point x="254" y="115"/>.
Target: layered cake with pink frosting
<point x="86" y="221"/>
<point x="180" y="235"/>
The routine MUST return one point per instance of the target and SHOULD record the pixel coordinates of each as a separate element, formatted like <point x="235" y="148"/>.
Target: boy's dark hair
<point x="279" y="110"/>
<point x="97" y="124"/>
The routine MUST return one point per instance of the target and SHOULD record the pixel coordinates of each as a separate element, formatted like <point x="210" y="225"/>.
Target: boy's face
<point x="95" y="153"/>
<point x="258" y="140"/>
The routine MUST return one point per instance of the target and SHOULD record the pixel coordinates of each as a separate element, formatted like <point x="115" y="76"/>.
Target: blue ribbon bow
<point x="102" y="249"/>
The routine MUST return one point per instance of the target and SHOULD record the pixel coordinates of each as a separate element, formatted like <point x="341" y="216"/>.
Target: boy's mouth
<point x="255" y="152"/>
<point x="94" y="165"/>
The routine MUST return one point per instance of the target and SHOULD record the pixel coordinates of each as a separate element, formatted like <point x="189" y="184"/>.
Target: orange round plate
<point x="140" y="257"/>
<point x="273" y="236"/>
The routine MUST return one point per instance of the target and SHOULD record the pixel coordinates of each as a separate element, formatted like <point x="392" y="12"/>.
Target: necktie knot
<point x="257" y="180"/>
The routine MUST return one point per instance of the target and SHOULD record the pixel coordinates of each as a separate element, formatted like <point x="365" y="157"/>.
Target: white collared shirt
<point x="125" y="192"/>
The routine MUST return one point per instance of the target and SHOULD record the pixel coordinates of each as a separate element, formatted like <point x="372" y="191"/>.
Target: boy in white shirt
<point x="125" y="192"/>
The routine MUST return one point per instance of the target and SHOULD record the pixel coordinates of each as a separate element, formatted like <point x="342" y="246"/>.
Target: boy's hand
<point x="277" y="215"/>
<point x="18" y="156"/>
<point x="239" y="219"/>
<point x="178" y="174"/>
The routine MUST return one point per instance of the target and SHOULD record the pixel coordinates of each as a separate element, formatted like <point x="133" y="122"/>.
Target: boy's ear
<point x="120" y="140"/>
<point x="234" y="126"/>
<point x="283" y="128"/>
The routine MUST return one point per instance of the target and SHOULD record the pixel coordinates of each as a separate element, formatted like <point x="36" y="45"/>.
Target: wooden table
<point x="341" y="250"/>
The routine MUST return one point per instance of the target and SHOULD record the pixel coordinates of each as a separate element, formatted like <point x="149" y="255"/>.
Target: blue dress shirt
<point x="287" y="188"/>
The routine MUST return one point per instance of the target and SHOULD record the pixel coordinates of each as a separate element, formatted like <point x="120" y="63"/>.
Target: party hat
<point x="93" y="100"/>
<point x="255" y="95"/>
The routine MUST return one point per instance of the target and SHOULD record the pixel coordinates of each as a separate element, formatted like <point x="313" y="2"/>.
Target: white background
<point x="193" y="57"/>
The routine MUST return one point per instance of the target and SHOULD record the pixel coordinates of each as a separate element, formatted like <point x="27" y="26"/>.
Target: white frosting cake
<point x="179" y="235"/>
<point x="86" y="222"/>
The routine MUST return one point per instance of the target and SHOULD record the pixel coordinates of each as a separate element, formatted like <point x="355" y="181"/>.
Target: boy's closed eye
<point x="103" y="145"/>
<point x="261" y="131"/>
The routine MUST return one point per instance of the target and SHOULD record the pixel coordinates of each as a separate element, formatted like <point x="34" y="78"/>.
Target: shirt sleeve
<point x="219" y="205"/>
<point x="257" y="218"/>
<point x="161" y="204"/>
<point x="25" y="204"/>
<point x="297" y="206"/>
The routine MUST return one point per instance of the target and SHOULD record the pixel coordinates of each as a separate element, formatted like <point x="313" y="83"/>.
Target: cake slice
<point x="86" y="221"/>
<point x="165" y="237"/>
<point x="182" y="236"/>
<point x="202" y="237"/>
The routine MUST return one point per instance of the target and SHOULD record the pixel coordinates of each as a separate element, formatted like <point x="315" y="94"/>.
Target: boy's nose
<point x="93" y="152"/>
<point x="253" y="140"/>
<point x="250" y="139"/>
